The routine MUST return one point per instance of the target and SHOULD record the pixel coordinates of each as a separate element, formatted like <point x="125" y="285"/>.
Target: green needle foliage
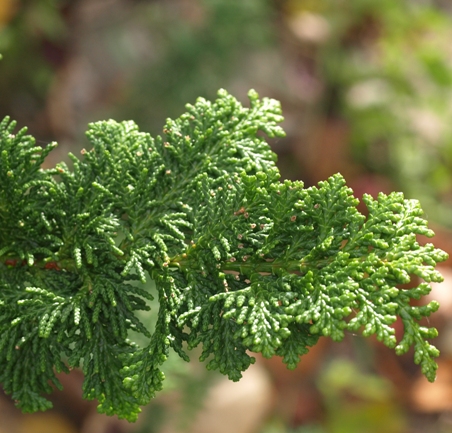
<point x="241" y="261"/>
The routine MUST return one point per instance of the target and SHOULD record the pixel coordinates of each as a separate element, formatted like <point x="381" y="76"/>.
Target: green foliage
<point x="241" y="261"/>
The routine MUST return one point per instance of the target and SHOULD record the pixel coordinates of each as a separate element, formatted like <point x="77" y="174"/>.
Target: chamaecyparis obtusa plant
<point x="242" y="261"/>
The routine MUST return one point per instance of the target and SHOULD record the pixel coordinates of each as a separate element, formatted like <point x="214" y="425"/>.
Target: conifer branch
<point x="241" y="261"/>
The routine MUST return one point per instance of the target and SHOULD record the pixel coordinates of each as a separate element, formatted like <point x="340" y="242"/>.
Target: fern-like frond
<point x="241" y="262"/>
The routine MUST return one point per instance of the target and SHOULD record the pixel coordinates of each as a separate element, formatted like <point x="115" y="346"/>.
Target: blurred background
<point x="366" y="90"/>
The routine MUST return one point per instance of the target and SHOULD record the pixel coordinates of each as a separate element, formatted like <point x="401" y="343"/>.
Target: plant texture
<point x="241" y="261"/>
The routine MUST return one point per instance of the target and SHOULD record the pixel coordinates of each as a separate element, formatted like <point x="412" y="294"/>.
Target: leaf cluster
<point x="241" y="261"/>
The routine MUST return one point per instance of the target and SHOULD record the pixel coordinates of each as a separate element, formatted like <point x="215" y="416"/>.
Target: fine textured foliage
<point x="241" y="261"/>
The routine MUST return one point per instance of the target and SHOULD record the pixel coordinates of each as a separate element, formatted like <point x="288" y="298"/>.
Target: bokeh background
<point x="366" y="90"/>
